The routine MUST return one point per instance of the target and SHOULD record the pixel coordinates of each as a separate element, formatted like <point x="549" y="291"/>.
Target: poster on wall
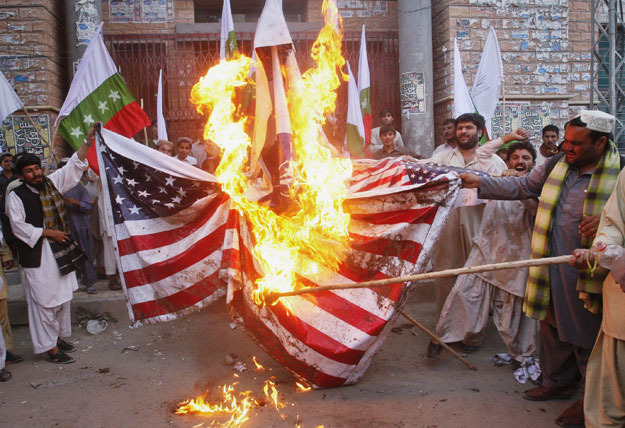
<point x="17" y="134"/>
<point x="87" y="21"/>
<point x="521" y="114"/>
<point x="412" y="93"/>
<point x="141" y="11"/>
<point x="362" y="8"/>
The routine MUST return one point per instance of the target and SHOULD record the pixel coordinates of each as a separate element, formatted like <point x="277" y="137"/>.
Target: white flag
<point x="161" y="128"/>
<point x="487" y="84"/>
<point x="462" y="98"/>
<point x="10" y="101"/>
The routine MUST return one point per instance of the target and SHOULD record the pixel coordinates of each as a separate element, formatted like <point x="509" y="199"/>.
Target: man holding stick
<point x="604" y="402"/>
<point x="573" y="187"/>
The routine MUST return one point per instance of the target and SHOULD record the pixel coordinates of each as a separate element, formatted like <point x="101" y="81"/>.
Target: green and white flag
<point x="355" y="128"/>
<point x="228" y="45"/>
<point x="364" y="89"/>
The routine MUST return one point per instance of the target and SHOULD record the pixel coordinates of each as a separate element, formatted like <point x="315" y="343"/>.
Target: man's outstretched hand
<point x="469" y="181"/>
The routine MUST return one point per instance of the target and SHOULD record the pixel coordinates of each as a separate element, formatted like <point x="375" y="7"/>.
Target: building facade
<point x="545" y="46"/>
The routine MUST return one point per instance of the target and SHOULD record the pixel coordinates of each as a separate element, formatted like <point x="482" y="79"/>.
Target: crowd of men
<point x="560" y="200"/>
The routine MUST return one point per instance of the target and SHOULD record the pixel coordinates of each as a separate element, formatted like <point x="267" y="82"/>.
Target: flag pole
<point x="52" y="153"/>
<point x="145" y="128"/>
<point x="271" y="297"/>
<point x="437" y="339"/>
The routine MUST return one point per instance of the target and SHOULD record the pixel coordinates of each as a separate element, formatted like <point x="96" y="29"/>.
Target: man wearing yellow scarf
<point x="573" y="187"/>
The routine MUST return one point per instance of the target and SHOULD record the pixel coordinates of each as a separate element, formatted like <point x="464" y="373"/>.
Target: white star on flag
<point x="102" y="106"/>
<point x="119" y="199"/>
<point x="88" y="119"/>
<point x="176" y="200"/>
<point x="134" y="210"/>
<point x="143" y="193"/>
<point x="118" y="180"/>
<point x="131" y="182"/>
<point x="169" y="181"/>
<point x="121" y="170"/>
<point x="114" y="95"/>
<point x="76" y="132"/>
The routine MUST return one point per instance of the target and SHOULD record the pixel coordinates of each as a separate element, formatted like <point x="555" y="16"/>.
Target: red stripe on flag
<point x="400" y="248"/>
<point x="357" y="274"/>
<point x="420" y="215"/>
<point x="138" y="243"/>
<point x="315" y="339"/>
<point x="387" y="181"/>
<point x="344" y="310"/>
<point x="181" y="300"/>
<point x="161" y="270"/>
<point x="267" y="340"/>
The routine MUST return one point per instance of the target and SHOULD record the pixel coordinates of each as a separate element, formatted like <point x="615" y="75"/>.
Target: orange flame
<point x="314" y="231"/>
<point x="303" y="387"/>
<point x="235" y="405"/>
<point x="257" y="364"/>
<point x="271" y="393"/>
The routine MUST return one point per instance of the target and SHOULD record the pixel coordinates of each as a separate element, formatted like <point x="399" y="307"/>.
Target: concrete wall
<point x="545" y="47"/>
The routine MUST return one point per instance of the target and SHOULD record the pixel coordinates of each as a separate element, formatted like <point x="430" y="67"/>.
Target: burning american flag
<point x="283" y="211"/>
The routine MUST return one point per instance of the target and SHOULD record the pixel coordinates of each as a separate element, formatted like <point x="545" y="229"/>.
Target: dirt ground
<point x="176" y="361"/>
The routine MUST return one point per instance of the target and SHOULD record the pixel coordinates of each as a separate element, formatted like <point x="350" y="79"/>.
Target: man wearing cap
<point x="47" y="255"/>
<point x="573" y="187"/>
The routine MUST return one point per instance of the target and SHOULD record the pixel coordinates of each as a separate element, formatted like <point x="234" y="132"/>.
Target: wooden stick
<point x="438" y="340"/>
<point x="145" y="129"/>
<point x="272" y="296"/>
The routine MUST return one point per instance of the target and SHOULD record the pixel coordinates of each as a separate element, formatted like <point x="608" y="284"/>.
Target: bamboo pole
<point x="438" y="340"/>
<point x="272" y="296"/>
<point x="145" y="129"/>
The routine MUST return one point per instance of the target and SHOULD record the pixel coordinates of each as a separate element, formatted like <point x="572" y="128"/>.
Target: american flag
<point x="181" y="247"/>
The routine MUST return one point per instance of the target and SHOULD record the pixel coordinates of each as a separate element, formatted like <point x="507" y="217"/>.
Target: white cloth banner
<point x="462" y="98"/>
<point x="487" y="84"/>
<point x="161" y="128"/>
<point x="10" y="100"/>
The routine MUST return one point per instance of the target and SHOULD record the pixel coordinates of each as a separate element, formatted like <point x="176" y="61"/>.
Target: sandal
<point x="114" y="285"/>
<point x="65" y="346"/>
<point x="5" y="375"/>
<point x="12" y="358"/>
<point x="60" y="358"/>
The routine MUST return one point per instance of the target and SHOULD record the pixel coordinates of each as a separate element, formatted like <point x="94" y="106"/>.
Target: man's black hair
<point x="386" y="128"/>
<point x="522" y="145"/>
<point x="446" y="121"/>
<point x="475" y="118"/>
<point x="594" y="135"/>
<point x="551" y="127"/>
<point x="386" y="110"/>
<point x="25" y="160"/>
<point x="4" y="155"/>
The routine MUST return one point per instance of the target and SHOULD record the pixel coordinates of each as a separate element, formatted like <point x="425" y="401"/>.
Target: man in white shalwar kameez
<point x="456" y="238"/>
<point x="504" y="235"/>
<point x="48" y="292"/>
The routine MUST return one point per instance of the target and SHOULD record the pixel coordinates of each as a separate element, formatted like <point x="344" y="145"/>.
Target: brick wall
<point x="545" y="48"/>
<point x="32" y="40"/>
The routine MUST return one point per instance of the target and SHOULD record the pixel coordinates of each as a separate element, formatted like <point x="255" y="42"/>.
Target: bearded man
<point x="573" y="186"/>
<point x="504" y="235"/>
<point x="464" y="222"/>
<point x="47" y="254"/>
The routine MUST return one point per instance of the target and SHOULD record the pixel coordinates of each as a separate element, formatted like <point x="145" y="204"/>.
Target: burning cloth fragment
<point x="283" y="211"/>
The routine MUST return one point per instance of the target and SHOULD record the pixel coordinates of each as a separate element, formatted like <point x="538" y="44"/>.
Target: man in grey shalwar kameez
<point x="567" y="330"/>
